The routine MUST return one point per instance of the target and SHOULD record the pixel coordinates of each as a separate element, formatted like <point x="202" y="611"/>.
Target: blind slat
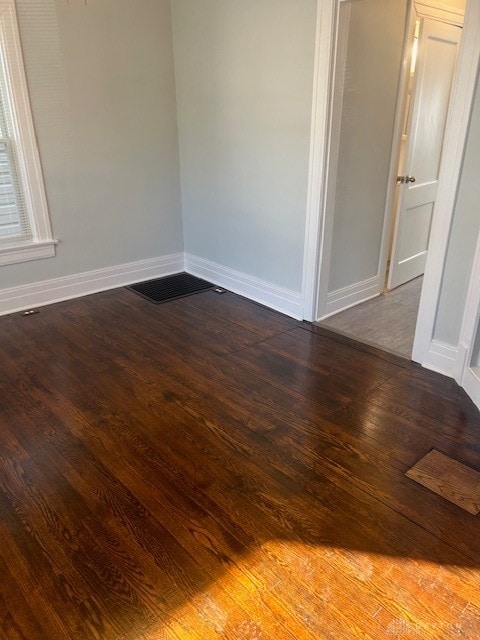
<point x="14" y="218"/>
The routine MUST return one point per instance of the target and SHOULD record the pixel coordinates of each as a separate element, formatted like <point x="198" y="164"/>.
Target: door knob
<point x="406" y="179"/>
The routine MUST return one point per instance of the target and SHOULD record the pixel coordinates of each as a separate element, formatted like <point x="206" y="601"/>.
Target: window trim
<point x="42" y="244"/>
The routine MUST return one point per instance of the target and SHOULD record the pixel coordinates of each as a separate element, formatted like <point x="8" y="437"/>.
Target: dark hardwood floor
<point x="210" y="469"/>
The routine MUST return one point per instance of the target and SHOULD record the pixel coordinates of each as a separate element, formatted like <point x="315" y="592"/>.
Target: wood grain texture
<point x="450" y="479"/>
<point x="210" y="469"/>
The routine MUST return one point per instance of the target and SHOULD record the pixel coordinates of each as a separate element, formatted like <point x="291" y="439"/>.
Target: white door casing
<point x="468" y="363"/>
<point x="454" y="147"/>
<point x="438" y="54"/>
<point x="426" y="348"/>
<point x="327" y="125"/>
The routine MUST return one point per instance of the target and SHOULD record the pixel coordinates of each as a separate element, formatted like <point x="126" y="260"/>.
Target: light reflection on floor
<point x="293" y="591"/>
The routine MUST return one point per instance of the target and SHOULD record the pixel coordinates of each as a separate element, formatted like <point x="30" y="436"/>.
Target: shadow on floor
<point x="211" y="469"/>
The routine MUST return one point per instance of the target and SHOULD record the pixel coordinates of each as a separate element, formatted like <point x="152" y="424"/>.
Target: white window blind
<point x="25" y="229"/>
<point x="14" y="219"/>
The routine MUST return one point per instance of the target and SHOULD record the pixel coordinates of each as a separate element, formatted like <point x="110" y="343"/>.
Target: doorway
<point x="389" y="84"/>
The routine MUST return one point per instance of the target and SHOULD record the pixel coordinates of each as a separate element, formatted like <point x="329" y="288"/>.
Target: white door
<point x="437" y="57"/>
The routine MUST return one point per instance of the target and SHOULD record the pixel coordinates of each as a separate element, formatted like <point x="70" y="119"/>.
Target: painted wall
<point x="461" y="249"/>
<point x="244" y="72"/>
<point x="371" y="79"/>
<point x="102" y="88"/>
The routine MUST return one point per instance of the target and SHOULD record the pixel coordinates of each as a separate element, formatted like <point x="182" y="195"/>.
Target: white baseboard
<point x="471" y="384"/>
<point x="283" y="300"/>
<point x="461" y="362"/>
<point x="65" y="288"/>
<point x="441" y="357"/>
<point x="82" y="284"/>
<point x="347" y="297"/>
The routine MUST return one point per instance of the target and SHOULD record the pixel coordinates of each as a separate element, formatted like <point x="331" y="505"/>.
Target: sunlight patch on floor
<point x="291" y="591"/>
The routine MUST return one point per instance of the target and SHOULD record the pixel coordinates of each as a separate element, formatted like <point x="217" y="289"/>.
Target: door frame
<point x="316" y="240"/>
<point x="468" y="333"/>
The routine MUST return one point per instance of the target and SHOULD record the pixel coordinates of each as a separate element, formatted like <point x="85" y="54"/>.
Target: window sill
<point x="12" y="254"/>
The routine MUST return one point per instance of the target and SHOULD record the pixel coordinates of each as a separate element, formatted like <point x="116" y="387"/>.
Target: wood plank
<point x="450" y="479"/>
<point x="209" y="469"/>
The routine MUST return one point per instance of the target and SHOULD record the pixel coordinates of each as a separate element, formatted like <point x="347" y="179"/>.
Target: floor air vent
<point x="169" y="288"/>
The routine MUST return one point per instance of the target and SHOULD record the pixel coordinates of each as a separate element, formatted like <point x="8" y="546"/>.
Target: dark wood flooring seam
<point x="259" y="342"/>
<point x="329" y="334"/>
<point x="155" y="484"/>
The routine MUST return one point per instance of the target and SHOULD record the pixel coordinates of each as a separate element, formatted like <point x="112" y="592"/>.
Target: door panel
<point x="416" y="231"/>
<point x="438" y="53"/>
<point x="434" y="91"/>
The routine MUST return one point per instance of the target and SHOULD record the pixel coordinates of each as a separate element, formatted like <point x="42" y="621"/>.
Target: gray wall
<point x="102" y="85"/>
<point x="465" y="230"/>
<point x="244" y="71"/>
<point x="373" y="63"/>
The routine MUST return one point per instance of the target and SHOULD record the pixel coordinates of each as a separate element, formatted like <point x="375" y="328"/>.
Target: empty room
<point x="196" y="441"/>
